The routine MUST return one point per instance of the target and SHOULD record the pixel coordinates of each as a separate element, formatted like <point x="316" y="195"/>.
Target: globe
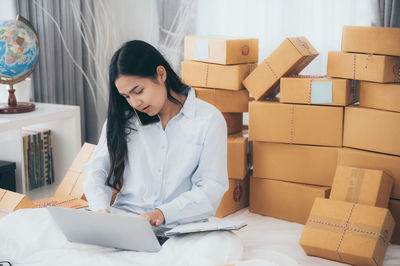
<point x="19" y="53"/>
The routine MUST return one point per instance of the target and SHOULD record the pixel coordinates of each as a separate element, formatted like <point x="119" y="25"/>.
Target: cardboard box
<point x="11" y="201"/>
<point x="238" y="164"/>
<point x="64" y="201"/>
<point x="371" y="40"/>
<point x="72" y="182"/>
<point x="373" y="130"/>
<point x="394" y="207"/>
<point x="236" y="198"/>
<point x="371" y="160"/>
<point x="318" y="90"/>
<point x="367" y="67"/>
<point x="296" y="163"/>
<point x="360" y="185"/>
<point x="347" y="232"/>
<point x="226" y="101"/>
<point x="380" y="96"/>
<point x="291" y="57"/>
<point x="284" y="200"/>
<point x="234" y="122"/>
<point x="229" y="77"/>
<point x="295" y="123"/>
<point x="221" y="50"/>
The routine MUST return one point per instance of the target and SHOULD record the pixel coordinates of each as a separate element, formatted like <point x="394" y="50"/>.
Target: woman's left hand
<point x="155" y="217"/>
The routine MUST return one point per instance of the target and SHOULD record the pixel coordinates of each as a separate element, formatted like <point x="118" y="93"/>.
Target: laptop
<point x="128" y="232"/>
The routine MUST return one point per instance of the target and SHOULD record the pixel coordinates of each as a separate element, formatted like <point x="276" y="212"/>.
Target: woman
<point x="163" y="149"/>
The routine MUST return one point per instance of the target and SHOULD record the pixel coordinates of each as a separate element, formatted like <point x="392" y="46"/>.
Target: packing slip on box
<point x="318" y="90"/>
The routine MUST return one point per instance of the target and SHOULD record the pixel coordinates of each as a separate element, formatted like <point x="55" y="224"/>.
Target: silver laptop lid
<point x="106" y="229"/>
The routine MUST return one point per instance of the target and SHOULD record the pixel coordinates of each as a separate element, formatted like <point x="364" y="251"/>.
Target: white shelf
<point x="65" y="126"/>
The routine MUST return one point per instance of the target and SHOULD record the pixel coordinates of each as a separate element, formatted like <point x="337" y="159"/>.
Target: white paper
<point x="205" y="226"/>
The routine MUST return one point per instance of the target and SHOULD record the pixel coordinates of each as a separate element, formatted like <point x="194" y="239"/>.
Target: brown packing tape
<point x="269" y="68"/>
<point x="291" y="123"/>
<point x="206" y="79"/>
<point x="3" y="195"/>
<point x="304" y="48"/>
<point x="395" y="72"/>
<point x="215" y="97"/>
<point x="301" y="45"/>
<point x="355" y="183"/>
<point x="337" y="225"/>
<point x="66" y="202"/>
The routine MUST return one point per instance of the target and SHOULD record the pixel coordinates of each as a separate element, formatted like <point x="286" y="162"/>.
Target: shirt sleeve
<point x="210" y="180"/>
<point x="96" y="170"/>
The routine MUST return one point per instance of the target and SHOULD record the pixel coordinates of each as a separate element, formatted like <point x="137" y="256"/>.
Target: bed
<point x="30" y="237"/>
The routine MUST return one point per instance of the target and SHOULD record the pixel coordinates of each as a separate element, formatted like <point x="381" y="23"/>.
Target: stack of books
<point x="38" y="158"/>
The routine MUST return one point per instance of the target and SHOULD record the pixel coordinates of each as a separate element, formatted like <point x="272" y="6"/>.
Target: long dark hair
<point x="134" y="58"/>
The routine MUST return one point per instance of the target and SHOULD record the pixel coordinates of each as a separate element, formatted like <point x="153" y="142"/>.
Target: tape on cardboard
<point x="355" y="183"/>
<point x="345" y="227"/>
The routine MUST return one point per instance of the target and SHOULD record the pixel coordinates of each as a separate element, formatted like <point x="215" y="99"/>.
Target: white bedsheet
<point x="30" y="237"/>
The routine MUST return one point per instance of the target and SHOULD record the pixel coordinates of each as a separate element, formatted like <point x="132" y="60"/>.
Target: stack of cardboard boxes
<point x="215" y="67"/>
<point x="295" y="141"/>
<point x="69" y="193"/>
<point x="354" y="226"/>
<point x="372" y="129"/>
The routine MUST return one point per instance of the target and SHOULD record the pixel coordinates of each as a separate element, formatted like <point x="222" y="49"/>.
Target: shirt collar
<point x="189" y="107"/>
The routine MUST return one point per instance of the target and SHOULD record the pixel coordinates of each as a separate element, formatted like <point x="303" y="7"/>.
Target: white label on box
<point x="201" y="49"/>
<point x="321" y="92"/>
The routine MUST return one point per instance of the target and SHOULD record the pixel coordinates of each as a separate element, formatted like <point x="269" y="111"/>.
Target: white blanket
<point x="30" y="237"/>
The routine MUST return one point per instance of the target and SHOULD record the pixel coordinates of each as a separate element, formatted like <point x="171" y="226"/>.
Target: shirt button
<point x="163" y="147"/>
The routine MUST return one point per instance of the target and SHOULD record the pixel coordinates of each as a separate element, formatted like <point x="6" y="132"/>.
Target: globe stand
<point x="13" y="107"/>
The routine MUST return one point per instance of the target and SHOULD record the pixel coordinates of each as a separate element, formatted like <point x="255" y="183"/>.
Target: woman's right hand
<point x="104" y="210"/>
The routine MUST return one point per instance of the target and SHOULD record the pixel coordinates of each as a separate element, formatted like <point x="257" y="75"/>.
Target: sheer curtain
<point x="388" y="13"/>
<point x="77" y="39"/>
<point x="270" y="21"/>
<point x="175" y="21"/>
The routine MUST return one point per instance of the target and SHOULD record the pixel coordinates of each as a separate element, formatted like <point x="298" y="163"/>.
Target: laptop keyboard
<point x="162" y="239"/>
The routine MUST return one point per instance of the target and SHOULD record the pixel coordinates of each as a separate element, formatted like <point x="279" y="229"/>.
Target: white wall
<point x="8" y="9"/>
<point x="271" y="21"/>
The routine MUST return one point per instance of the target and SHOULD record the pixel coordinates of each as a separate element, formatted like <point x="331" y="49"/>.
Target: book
<point x="38" y="158"/>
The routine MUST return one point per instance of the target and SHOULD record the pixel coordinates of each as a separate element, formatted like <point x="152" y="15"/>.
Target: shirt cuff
<point x="96" y="206"/>
<point x="170" y="212"/>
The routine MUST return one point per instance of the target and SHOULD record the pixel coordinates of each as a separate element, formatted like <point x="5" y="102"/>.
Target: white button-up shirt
<point x="181" y="170"/>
